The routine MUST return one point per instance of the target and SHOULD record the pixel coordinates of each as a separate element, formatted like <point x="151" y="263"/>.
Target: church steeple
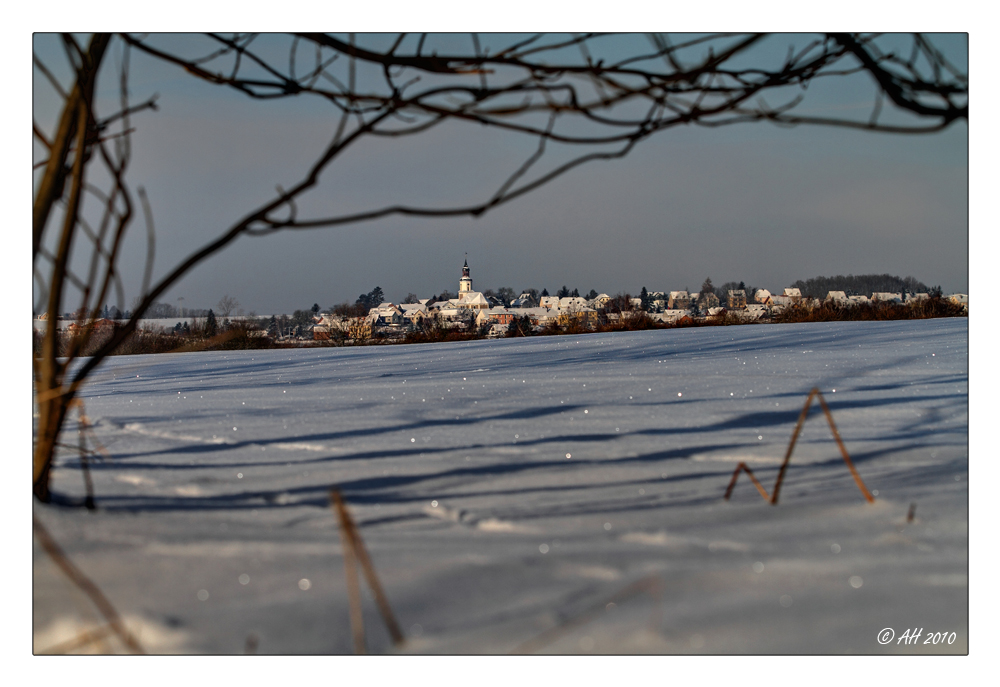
<point x="465" y="283"/>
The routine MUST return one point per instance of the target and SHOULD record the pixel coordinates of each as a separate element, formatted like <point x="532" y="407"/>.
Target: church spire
<point x="465" y="283"/>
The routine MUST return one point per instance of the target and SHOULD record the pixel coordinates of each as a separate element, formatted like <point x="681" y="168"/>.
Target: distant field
<point x="508" y="488"/>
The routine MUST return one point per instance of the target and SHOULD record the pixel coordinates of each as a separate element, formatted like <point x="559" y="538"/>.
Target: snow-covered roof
<point x="572" y="302"/>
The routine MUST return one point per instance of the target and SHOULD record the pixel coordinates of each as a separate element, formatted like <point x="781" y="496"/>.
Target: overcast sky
<point x="753" y="202"/>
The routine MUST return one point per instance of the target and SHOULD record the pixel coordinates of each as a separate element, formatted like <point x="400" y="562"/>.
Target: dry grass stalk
<point x="354" y="553"/>
<point x="746" y="468"/>
<point x="82" y="640"/>
<point x="351" y="575"/>
<point x="911" y="513"/>
<point x="651" y="585"/>
<point x="84" y="583"/>
<point x="84" y="426"/>
<point x="773" y="498"/>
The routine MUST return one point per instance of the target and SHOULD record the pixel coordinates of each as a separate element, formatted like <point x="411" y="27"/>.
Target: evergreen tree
<point x="707" y="286"/>
<point x="315" y="308"/>
<point x="563" y="292"/>
<point x="576" y="293"/>
<point x="592" y="295"/>
<point x="211" y="327"/>
<point x="644" y="299"/>
<point x="544" y="294"/>
<point x="272" y="326"/>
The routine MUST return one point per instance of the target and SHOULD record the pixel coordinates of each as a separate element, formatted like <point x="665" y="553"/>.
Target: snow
<point x="505" y="487"/>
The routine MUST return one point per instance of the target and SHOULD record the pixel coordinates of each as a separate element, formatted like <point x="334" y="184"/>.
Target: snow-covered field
<point x="559" y="494"/>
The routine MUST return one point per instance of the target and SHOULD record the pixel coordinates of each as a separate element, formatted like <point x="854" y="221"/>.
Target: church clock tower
<point x="465" y="283"/>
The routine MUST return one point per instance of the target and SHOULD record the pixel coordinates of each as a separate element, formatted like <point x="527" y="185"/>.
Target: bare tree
<point x="584" y="97"/>
<point x="226" y="305"/>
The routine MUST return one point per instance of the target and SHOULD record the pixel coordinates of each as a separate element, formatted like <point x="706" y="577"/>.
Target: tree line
<point x="862" y="285"/>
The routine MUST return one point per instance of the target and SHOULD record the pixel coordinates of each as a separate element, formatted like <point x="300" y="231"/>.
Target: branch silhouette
<point x="598" y="94"/>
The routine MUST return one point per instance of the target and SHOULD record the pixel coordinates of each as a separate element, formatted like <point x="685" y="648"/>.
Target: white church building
<point x="467" y="298"/>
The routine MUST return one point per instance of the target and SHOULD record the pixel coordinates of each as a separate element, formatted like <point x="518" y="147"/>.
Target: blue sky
<point x="753" y="202"/>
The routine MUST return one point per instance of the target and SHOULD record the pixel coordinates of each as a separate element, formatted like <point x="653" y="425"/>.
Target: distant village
<point x="489" y="313"/>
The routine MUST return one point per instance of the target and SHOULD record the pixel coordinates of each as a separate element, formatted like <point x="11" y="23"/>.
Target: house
<point x="887" y="297"/>
<point x="857" y="300"/>
<point x="471" y="300"/>
<point x="601" y="301"/>
<point x="386" y="314"/>
<point x="548" y="302"/>
<point x="779" y="303"/>
<point x="501" y="316"/>
<point x="836" y="297"/>
<point x="414" y="313"/>
<point x="960" y="299"/>
<point x="794" y="294"/>
<point x="737" y="299"/>
<point x="670" y="316"/>
<point x="679" y="300"/>
<point x="572" y="303"/>
<point x="102" y="325"/>
<point x="762" y="296"/>
<point x="359" y="328"/>
<point x="539" y="317"/>
<point x="584" y="316"/>
<point x="497" y="331"/>
<point x="708" y="300"/>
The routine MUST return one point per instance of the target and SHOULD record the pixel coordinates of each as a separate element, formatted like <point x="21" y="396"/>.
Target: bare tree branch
<point x="563" y="92"/>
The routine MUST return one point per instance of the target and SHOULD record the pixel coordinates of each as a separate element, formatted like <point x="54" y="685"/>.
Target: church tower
<point x="465" y="283"/>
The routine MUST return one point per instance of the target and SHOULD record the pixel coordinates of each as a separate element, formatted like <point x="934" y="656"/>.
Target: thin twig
<point x="350" y="531"/>
<point x="84" y="639"/>
<point x="83" y="582"/>
<point x="773" y="497"/>
<point x="350" y="575"/>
